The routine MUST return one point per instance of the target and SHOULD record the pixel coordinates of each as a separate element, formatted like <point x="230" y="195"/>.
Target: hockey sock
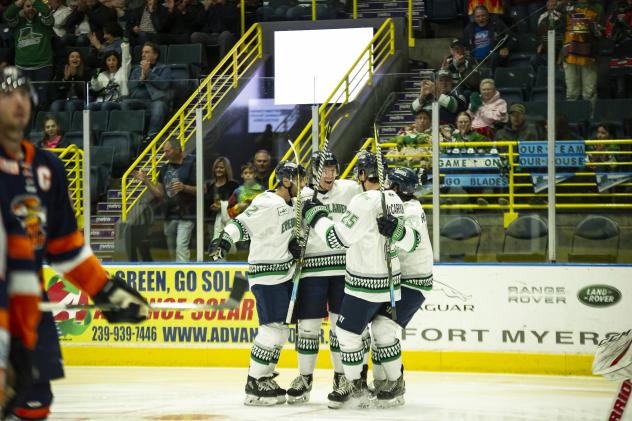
<point x="307" y="345"/>
<point x="352" y="353"/>
<point x="334" y="346"/>
<point x="378" y="370"/>
<point x="391" y="360"/>
<point x="366" y="343"/>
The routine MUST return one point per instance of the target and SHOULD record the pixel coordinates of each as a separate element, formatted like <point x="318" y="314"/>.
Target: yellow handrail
<point x="512" y="154"/>
<point x="372" y="57"/>
<point x="72" y="157"/>
<point x="409" y="21"/>
<point x="181" y="126"/>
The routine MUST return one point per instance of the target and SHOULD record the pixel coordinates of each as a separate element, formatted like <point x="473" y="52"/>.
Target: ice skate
<point x="391" y="394"/>
<point x="299" y="389"/>
<point x="259" y="392"/>
<point x="349" y="393"/>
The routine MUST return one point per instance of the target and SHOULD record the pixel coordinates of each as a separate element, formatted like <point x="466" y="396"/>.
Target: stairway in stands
<point x="399" y="114"/>
<point x="390" y="8"/>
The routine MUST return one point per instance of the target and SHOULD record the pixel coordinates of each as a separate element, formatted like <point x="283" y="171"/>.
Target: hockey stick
<point x="240" y="286"/>
<point x="387" y="246"/>
<point x="613" y="360"/>
<point x="299" y="264"/>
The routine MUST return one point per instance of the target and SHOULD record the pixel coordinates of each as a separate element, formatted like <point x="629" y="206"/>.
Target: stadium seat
<point x="511" y="95"/>
<point x="35" y="137"/>
<point x="536" y="109"/>
<point x="185" y="54"/>
<point x="526" y="240"/>
<point x="443" y="11"/>
<point x="612" y="110"/>
<point x="103" y="156"/>
<point x="515" y="77"/>
<point x="540" y="93"/>
<point x="541" y="77"/>
<point x="520" y="59"/>
<point x="98" y="123"/>
<point x="127" y="121"/>
<point x="125" y="149"/>
<point x="527" y="43"/>
<point x="596" y="240"/>
<point x="578" y="113"/>
<point x="460" y="239"/>
<point x="74" y="137"/>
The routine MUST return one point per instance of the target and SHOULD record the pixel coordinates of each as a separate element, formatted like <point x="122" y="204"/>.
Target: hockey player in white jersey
<point x="269" y="224"/>
<point x="363" y="231"/>
<point x="322" y="280"/>
<point x="416" y="270"/>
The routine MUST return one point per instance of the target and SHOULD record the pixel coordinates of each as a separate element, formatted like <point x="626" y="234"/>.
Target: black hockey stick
<point x="301" y="258"/>
<point x="387" y="246"/>
<point x="240" y="286"/>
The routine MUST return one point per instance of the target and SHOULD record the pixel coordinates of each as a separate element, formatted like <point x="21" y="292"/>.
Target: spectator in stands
<point x="217" y="191"/>
<point x="263" y="166"/>
<point x="245" y="194"/>
<point x="552" y="18"/>
<point x="60" y="13"/>
<point x="518" y="128"/>
<point x="413" y="142"/>
<point x="183" y="18"/>
<point x="580" y="49"/>
<point x="220" y="26"/>
<point x="487" y="109"/>
<point x="325" y="9"/>
<point x="145" y="23"/>
<point x="111" y="84"/>
<point x="464" y="133"/>
<point x="112" y="40"/>
<point x="450" y="103"/>
<point x="619" y="30"/>
<point x="461" y="65"/>
<point x="52" y="133"/>
<point x="563" y="130"/>
<point x="176" y="185"/>
<point x="484" y="34"/>
<point x="600" y="151"/>
<point x="149" y="88"/>
<point x="524" y="14"/>
<point x="71" y="84"/>
<point x="32" y="25"/>
<point x="97" y="15"/>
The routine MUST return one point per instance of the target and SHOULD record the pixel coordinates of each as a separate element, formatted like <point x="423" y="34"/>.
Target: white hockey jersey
<point x="321" y="260"/>
<point x="416" y="266"/>
<point x="269" y="224"/>
<point x="366" y="274"/>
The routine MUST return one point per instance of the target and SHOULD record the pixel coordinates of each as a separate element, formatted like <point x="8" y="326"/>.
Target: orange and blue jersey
<point x="41" y="227"/>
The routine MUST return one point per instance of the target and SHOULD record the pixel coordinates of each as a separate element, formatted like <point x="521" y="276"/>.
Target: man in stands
<point x="484" y="34"/>
<point x="461" y="65"/>
<point x="263" y="167"/>
<point x="518" y="128"/>
<point x="149" y="88"/>
<point x="41" y="225"/>
<point x="450" y="103"/>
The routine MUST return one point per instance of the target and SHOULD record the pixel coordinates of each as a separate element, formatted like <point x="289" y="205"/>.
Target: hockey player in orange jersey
<point x="41" y="226"/>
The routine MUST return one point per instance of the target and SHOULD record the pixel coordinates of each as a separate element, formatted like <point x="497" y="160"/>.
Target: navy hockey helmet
<point x="12" y="78"/>
<point x="289" y="169"/>
<point x="330" y="160"/>
<point x="405" y="178"/>
<point x="367" y="162"/>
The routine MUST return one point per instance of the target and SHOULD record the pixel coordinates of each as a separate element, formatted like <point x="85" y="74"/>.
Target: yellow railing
<point x="519" y="194"/>
<point x="72" y="157"/>
<point x="181" y="126"/>
<point x="374" y="55"/>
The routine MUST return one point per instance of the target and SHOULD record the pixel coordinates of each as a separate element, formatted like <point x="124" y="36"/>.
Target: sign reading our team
<point x="477" y="162"/>
<point x="568" y="153"/>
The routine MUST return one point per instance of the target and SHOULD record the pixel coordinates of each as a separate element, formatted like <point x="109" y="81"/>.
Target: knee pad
<point x="385" y="331"/>
<point x="308" y="336"/>
<point x="272" y="336"/>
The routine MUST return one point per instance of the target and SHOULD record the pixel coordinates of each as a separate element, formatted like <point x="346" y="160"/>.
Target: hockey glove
<point x="122" y="304"/>
<point x="218" y="249"/>
<point x="391" y="227"/>
<point x="295" y="247"/>
<point x="19" y="376"/>
<point x="475" y="101"/>
<point x="313" y="210"/>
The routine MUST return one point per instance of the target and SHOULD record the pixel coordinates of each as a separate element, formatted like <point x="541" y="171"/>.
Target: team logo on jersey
<point x="69" y="322"/>
<point x="44" y="177"/>
<point x="28" y="209"/>
<point x="282" y="211"/>
<point x="9" y="166"/>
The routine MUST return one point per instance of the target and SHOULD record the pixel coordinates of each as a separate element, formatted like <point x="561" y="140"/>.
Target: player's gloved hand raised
<point x="295" y="246"/>
<point x="313" y="210"/>
<point x="124" y="304"/>
<point x="391" y="227"/>
<point x="19" y="375"/>
<point x="218" y="249"/>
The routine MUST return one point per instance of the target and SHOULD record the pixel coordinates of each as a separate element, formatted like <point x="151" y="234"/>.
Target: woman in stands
<point x="464" y="133"/>
<point x="70" y="84"/>
<point x="52" y="133"/>
<point x="603" y="132"/>
<point x="488" y="109"/>
<point x="217" y="191"/>
<point x="111" y="84"/>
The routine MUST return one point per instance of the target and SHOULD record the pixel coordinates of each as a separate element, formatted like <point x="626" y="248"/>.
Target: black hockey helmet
<point x="289" y="169"/>
<point x="12" y="78"/>
<point x="367" y="162"/>
<point x="405" y="178"/>
<point x="330" y="159"/>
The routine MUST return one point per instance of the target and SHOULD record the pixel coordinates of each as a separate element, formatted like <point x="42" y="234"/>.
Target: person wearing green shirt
<point x="32" y="24"/>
